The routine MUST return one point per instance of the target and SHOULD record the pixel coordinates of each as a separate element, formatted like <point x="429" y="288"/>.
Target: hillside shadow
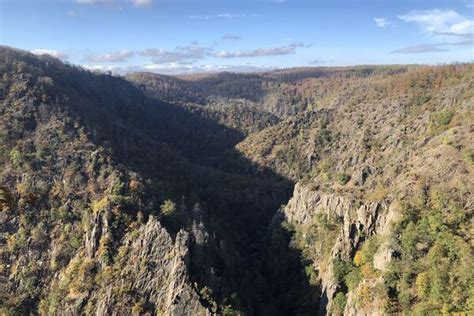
<point x="227" y="202"/>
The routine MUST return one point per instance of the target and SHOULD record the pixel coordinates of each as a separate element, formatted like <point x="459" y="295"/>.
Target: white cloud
<point x="51" y="52"/>
<point x="230" y="37"/>
<point x="178" y="69"/>
<point x="272" y="51"/>
<point x="93" y="1"/>
<point x="141" y="3"/>
<point x="381" y="22"/>
<point x="137" y="3"/>
<point x="223" y="16"/>
<point x="117" y="56"/>
<point x="419" y="49"/>
<point x="101" y="67"/>
<point x="181" y="54"/>
<point x="71" y="13"/>
<point x="440" y="21"/>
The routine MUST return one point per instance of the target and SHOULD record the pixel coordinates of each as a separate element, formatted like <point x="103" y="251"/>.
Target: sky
<point x="189" y="36"/>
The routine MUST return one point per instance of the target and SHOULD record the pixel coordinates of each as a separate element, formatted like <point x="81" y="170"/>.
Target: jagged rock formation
<point x="355" y="223"/>
<point x="159" y="269"/>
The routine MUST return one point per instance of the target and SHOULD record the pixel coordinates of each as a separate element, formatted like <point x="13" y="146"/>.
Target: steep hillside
<point x="383" y="208"/>
<point x="87" y="160"/>
<point x="303" y="191"/>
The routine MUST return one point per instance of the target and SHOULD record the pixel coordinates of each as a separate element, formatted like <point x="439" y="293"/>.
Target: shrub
<point x="168" y="208"/>
<point x="17" y="241"/>
<point x="6" y="199"/>
<point x="358" y="258"/>
<point x="435" y="258"/>
<point x="343" y="178"/>
<point x="352" y="278"/>
<point x="16" y="158"/>
<point x="439" y="121"/>
<point x="345" y="272"/>
<point x="38" y="234"/>
<point x="100" y="205"/>
<point x="341" y="269"/>
<point x="468" y="155"/>
<point x="340" y="301"/>
<point x="103" y="252"/>
<point x="422" y="285"/>
<point x="378" y="194"/>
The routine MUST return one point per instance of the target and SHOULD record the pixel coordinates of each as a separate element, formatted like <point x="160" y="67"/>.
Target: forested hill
<point x="87" y="159"/>
<point x="295" y="192"/>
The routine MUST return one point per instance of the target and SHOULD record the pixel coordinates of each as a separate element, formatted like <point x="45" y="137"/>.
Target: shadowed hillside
<point x="87" y="159"/>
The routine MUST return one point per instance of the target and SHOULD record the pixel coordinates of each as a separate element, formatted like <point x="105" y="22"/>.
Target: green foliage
<point x="228" y="310"/>
<point x="421" y="99"/>
<point x="340" y="269"/>
<point x="352" y="278"/>
<point x="439" y="121"/>
<point x="104" y="252"/>
<point x="468" y="155"/>
<point x="347" y="273"/>
<point x="343" y="178"/>
<point x="312" y="275"/>
<point x="323" y="138"/>
<point x="433" y="272"/>
<point x="6" y="199"/>
<point x="18" y="240"/>
<point x="16" y="158"/>
<point x="168" y="208"/>
<point x="339" y="302"/>
<point x="326" y="221"/>
<point x="100" y="205"/>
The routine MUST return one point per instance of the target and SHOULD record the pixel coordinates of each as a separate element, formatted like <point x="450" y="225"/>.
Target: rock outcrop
<point x="357" y="223"/>
<point x="156" y="267"/>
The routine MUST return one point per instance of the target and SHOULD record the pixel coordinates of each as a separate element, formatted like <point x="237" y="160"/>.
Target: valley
<point x="304" y="191"/>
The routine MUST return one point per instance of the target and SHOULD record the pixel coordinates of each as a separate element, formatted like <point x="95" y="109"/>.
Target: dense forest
<point x="302" y="191"/>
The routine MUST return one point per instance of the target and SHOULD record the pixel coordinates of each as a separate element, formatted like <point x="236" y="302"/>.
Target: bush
<point x="16" y="158"/>
<point x="6" y="199"/>
<point x="168" y="208"/>
<point x="439" y="121"/>
<point x="435" y="257"/>
<point x="340" y="301"/>
<point x="345" y="272"/>
<point x="100" y="205"/>
<point x="352" y="278"/>
<point x="17" y="241"/>
<point x="343" y="178"/>
<point x="378" y="194"/>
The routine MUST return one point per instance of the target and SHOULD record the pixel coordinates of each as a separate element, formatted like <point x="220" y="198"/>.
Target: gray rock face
<point x="150" y="275"/>
<point x="382" y="257"/>
<point x="156" y="267"/>
<point x="357" y="223"/>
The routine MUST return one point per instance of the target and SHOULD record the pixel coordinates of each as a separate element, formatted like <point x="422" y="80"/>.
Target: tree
<point x="168" y="208"/>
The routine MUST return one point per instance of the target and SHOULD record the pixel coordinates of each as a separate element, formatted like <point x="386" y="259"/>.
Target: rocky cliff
<point x="353" y="224"/>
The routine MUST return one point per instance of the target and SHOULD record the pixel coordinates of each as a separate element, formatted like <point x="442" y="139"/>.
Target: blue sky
<point x="173" y="36"/>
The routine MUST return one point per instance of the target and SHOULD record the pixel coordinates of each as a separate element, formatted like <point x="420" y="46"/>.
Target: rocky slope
<point x="87" y="159"/>
<point x="295" y="192"/>
<point x="365" y="167"/>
